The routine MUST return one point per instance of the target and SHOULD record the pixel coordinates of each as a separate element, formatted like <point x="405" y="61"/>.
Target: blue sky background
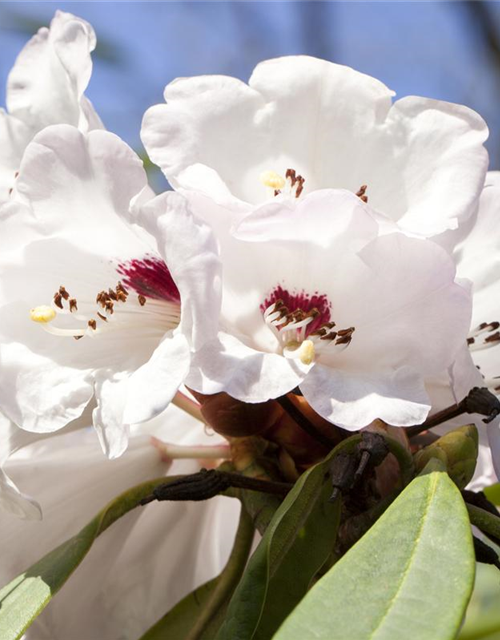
<point x="435" y="49"/>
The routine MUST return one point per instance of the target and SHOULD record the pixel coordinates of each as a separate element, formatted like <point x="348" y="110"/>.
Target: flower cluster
<point x="321" y="243"/>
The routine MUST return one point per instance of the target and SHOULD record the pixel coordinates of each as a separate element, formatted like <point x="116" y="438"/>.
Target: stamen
<point x="162" y="314"/>
<point x="294" y="179"/>
<point x="361" y="193"/>
<point x="63" y="292"/>
<point x="484" y="336"/>
<point x="304" y="332"/>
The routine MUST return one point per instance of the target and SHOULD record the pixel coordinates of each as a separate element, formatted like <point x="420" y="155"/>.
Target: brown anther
<point x="300" y="186"/>
<point x="63" y="292"/>
<point x="493" y="338"/>
<point x="346" y="332"/>
<point x="92" y="324"/>
<point x="77" y="337"/>
<point x="319" y="332"/>
<point x="361" y="193"/>
<point x="103" y="317"/>
<point x="142" y="300"/>
<point x="290" y="175"/>
<point x="331" y="335"/>
<point x="58" y="300"/>
<point x="102" y="298"/>
<point x="345" y="336"/>
<point x="122" y="297"/>
<point x="16" y="174"/>
<point x="276" y="192"/>
<point x="73" y="305"/>
<point x="470" y="341"/>
<point x="298" y="314"/>
<point x="120" y="287"/>
<point x="109" y="307"/>
<point x="112" y="294"/>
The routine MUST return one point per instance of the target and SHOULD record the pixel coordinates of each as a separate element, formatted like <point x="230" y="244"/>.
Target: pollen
<point x="272" y="180"/>
<point x="307" y="352"/>
<point x="42" y="314"/>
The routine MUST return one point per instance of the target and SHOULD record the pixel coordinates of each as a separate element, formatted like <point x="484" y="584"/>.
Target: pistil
<point x="292" y="329"/>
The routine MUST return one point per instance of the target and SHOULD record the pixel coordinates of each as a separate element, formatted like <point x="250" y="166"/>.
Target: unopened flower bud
<point x="457" y="450"/>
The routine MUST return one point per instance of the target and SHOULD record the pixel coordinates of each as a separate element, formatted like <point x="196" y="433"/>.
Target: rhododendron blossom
<point x="477" y="257"/>
<point x="46" y="86"/>
<point x="419" y="161"/>
<point x="89" y="305"/>
<point x="319" y="295"/>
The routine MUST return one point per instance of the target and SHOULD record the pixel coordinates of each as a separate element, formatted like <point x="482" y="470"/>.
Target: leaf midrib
<point x="408" y="567"/>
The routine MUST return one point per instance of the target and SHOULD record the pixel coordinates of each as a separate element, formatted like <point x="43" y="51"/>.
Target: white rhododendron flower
<point x="478" y="259"/>
<point x="314" y="296"/>
<point x="46" y="86"/>
<point x="138" y="568"/>
<point x="420" y="161"/>
<point x="88" y="303"/>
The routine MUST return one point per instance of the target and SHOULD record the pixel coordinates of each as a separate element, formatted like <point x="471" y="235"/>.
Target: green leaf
<point x="199" y="615"/>
<point x="410" y="576"/>
<point x="178" y="621"/>
<point x="486" y="629"/>
<point x="493" y="493"/>
<point x="286" y="559"/>
<point x="23" y="599"/>
<point x="482" y="621"/>
<point x="485" y="521"/>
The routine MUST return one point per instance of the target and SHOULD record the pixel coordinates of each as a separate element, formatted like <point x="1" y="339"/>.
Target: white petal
<point x="38" y="393"/>
<point x="333" y="219"/>
<point x="154" y="384"/>
<point x="11" y="497"/>
<point x="253" y="376"/>
<point x="111" y="396"/>
<point x="75" y="183"/>
<point x="423" y="160"/>
<point x="16" y="502"/>
<point x="190" y="251"/>
<point x="51" y="73"/>
<point x="406" y="306"/>
<point x="14" y="136"/>
<point x="353" y="400"/>
<point x="478" y="257"/>
<point x="487" y="471"/>
<point x="464" y="374"/>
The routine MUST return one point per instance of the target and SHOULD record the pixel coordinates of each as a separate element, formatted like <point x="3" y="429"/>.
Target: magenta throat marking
<point x="150" y="278"/>
<point x="303" y="302"/>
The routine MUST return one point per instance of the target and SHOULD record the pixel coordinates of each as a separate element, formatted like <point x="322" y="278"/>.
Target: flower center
<point x="302" y="324"/>
<point x="291" y="185"/>
<point x="155" y="305"/>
